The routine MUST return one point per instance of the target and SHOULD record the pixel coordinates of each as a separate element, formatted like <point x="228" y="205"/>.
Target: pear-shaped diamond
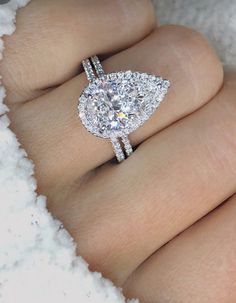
<point x="118" y="103"/>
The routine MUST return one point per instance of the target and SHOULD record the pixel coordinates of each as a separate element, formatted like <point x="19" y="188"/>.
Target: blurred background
<point x="215" y="18"/>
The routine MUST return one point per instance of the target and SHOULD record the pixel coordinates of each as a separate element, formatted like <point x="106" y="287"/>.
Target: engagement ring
<point x="114" y="105"/>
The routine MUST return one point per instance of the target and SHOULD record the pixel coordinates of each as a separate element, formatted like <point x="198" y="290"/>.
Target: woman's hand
<point x="131" y="221"/>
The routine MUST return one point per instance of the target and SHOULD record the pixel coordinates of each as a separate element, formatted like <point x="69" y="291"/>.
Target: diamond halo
<point x="114" y="105"/>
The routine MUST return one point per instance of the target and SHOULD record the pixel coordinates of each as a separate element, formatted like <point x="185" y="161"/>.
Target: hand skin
<point x="161" y="224"/>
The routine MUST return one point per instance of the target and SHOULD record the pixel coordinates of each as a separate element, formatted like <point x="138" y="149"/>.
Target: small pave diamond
<point x="116" y="104"/>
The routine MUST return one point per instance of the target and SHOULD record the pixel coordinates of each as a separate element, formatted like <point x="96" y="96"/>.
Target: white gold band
<point x="89" y="65"/>
<point x="88" y="70"/>
<point x="120" y="154"/>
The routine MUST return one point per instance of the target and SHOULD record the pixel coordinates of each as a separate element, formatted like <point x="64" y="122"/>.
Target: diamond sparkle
<point x="116" y="104"/>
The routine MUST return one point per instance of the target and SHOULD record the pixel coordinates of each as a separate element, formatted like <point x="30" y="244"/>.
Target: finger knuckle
<point x="194" y="58"/>
<point x="134" y="16"/>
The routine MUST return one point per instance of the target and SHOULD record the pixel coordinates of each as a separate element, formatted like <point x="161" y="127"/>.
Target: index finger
<point x="53" y="37"/>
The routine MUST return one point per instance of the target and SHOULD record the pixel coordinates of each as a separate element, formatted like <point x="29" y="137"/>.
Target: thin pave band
<point x="127" y="145"/>
<point x="88" y="65"/>
<point x="88" y="70"/>
<point x="98" y="66"/>
<point x="118" y="149"/>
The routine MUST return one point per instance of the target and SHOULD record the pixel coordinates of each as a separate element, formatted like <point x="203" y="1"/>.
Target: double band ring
<point x="114" y="105"/>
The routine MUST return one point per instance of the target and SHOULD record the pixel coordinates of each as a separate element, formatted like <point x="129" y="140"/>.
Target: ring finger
<point x="56" y="135"/>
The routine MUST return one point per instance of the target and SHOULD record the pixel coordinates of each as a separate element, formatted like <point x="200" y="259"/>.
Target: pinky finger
<point x="197" y="266"/>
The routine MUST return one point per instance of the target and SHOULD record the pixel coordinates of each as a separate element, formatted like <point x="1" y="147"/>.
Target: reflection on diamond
<point x="118" y="103"/>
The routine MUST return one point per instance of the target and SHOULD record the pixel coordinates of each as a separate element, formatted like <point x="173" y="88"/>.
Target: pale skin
<point x="161" y="224"/>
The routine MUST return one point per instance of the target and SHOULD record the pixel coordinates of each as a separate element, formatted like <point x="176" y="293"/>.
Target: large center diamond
<point x="116" y="104"/>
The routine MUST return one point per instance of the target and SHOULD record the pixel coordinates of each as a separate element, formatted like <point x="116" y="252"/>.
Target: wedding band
<point x="114" y="105"/>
